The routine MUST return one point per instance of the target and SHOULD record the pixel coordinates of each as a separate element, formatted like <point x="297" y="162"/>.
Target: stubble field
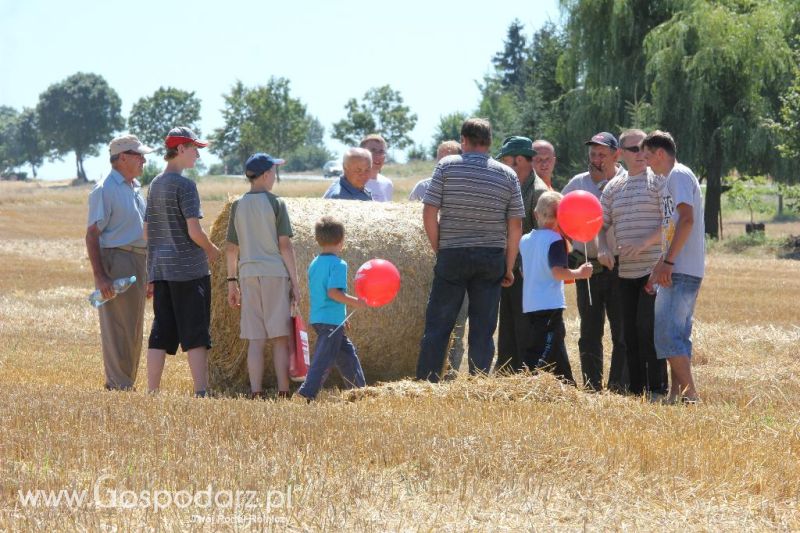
<point x="474" y="454"/>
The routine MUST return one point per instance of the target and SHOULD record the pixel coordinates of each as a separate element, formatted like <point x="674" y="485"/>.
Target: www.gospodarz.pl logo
<point x="105" y="495"/>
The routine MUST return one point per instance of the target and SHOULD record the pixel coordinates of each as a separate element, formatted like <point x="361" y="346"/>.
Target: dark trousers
<point x="333" y="349"/>
<point x="647" y="372"/>
<point x="515" y="334"/>
<point x="605" y="303"/>
<point x="548" y="350"/>
<point x="478" y="273"/>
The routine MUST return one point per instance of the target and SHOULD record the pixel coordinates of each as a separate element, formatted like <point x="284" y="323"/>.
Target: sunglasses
<point x="632" y="149"/>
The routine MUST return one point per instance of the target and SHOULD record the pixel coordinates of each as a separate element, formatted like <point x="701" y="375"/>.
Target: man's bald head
<point x="545" y="160"/>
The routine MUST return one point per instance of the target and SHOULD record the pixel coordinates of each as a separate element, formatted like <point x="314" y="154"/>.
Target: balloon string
<point x="588" y="286"/>
<point x="343" y="322"/>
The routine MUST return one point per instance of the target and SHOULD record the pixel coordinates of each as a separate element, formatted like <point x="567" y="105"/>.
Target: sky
<point x="434" y="53"/>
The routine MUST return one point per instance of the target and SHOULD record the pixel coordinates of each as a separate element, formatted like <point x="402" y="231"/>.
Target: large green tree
<point x="227" y="140"/>
<point x="788" y="124"/>
<point x="265" y="118"/>
<point x="448" y="129"/>
<point x="30" y="145"/>
<point x="8" y="134"/>
<point x="519" y="97"/>
<point x="716" y="70"/>
<point x="153" y="116"/>
<point x="380" y="111"/>
<point x="78" y="115"/>
<point x="510" y="62"/>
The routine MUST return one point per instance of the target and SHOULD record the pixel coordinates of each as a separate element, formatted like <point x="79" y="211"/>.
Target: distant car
<point x="332" y="169"/>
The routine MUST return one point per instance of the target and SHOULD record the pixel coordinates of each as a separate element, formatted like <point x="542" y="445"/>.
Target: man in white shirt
<point x="680" y="272"/>
<point x="379" y="185"/>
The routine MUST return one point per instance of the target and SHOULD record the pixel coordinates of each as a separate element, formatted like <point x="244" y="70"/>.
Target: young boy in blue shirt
<point x="544" y="270"/>
<point x="327" y="280"/>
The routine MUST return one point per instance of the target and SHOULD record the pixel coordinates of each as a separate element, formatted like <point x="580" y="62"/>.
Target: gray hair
<point x="356" y="153"/>
<point x="547" y="206"/>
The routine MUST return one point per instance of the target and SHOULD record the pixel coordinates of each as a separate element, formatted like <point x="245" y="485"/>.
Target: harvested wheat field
<point x="485" y="454"/>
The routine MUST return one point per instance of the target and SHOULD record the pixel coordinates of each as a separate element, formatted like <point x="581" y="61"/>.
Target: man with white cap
<point x="116" y="247"/>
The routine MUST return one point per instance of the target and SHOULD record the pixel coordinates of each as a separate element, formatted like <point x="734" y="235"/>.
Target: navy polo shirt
<point x="344" y="190"/>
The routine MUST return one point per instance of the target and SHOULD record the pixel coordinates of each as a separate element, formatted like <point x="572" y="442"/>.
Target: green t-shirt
<point x="257" y="220"/>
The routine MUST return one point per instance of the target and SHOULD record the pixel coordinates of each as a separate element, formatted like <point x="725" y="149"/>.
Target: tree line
<point x="721" y="75"/>
<point x="82" y="113"/>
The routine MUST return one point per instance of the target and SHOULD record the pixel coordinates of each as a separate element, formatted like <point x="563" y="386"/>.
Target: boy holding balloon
<point x="544" y="270"/>
<point x="327" y="280"/>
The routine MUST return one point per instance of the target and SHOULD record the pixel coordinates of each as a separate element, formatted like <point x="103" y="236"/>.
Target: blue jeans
<point x="334" y="350"/>
<point x="673" y="316"/>
<point x="478" y="273"/>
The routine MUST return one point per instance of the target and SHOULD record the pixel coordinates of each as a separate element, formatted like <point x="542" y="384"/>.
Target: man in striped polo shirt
<point x="632" y="206"/>
<point x="604" y="283"/>
<point x="473" y="218"/>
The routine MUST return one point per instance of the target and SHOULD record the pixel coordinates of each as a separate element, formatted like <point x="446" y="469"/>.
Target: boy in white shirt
<point x="544" y="270"/>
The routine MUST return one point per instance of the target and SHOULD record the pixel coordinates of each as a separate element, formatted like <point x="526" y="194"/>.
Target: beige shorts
<point x="266" y="308"/>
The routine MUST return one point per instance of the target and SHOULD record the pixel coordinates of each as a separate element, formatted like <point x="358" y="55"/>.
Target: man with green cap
<point x="514" y="333"/>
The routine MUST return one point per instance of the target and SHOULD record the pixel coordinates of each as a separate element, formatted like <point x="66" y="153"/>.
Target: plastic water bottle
<point x="120" y="285"/>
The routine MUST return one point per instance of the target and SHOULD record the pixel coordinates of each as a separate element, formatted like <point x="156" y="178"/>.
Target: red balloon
<point x="580" y="215"/>
<point x="377" y="282"/>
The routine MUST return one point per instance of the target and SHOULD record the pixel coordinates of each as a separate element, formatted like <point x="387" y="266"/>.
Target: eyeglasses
<point x="378" y="152"/>
<point x="632" y="149"/>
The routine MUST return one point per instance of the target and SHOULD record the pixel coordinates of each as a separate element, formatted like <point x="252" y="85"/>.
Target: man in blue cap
<point x="514" y="331"/>
<point x="261" y="264"/>
<point x="604" y="283"/>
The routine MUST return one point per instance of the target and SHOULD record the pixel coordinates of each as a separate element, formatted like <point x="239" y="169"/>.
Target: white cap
<point x="128" y="143"/>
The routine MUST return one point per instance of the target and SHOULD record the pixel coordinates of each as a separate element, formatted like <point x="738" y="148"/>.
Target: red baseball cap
<point x="182" y="135"/>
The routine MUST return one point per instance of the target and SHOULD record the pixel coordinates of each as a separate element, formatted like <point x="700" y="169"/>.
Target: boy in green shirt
<point x="260" y="249"/>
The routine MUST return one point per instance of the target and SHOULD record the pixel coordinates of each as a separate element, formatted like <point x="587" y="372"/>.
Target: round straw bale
<point x="386" y="338"/>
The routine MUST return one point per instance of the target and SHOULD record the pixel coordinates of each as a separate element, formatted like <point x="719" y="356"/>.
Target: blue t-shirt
<point x="118" y="210"/>
<point x="326" y="271"/>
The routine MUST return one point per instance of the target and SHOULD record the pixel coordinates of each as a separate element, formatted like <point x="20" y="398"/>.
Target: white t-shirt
<point x="683" y="188"/>
<point x="419" y="190"/>
<point x="381" y="188"/>
<point x="540" y="290"/>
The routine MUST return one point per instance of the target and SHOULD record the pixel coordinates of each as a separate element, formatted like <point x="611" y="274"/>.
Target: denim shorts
<point x="673" y="316"/>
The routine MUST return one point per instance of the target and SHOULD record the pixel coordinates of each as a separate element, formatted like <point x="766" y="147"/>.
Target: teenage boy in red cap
<point x="178" y="253"/>
<point x="261" y="264"/>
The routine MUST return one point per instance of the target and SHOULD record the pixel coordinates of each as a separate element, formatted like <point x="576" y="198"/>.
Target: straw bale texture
<point x="386" y="338"/>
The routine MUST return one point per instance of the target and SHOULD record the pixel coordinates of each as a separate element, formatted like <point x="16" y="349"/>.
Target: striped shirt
<point x="171" y="254"/>
<point x="584" y="182"/>
<point x="476" y="196"/>
<point x="632" y="205"/>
